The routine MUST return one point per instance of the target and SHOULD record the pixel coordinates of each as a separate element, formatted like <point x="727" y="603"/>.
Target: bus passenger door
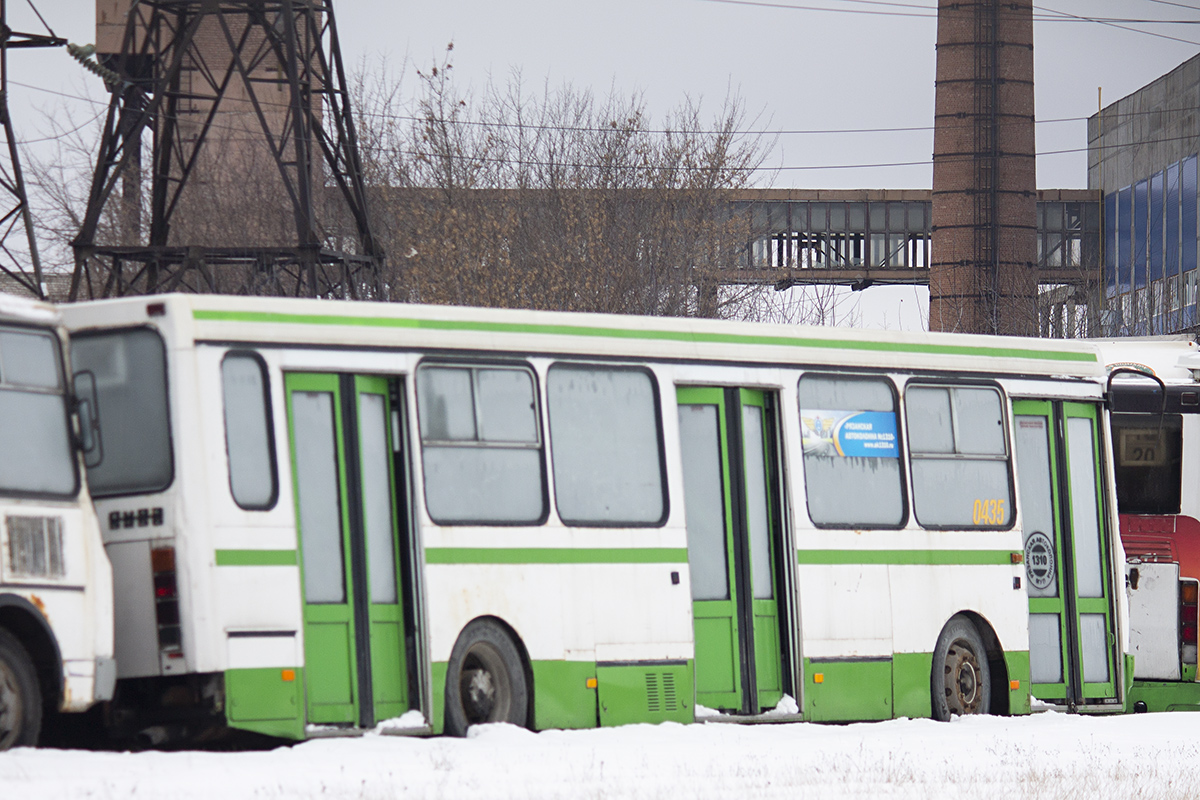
<point x="1072" y="638"/>
<point x="346" y="511"/>
<point x="732" y="514"/>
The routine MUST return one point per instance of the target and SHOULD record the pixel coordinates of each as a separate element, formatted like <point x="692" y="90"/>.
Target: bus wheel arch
<point x="28" y="626"/>
<point x="488" y="677"/>
<point x="960" y="680"/>
<point x="996" y="663"/>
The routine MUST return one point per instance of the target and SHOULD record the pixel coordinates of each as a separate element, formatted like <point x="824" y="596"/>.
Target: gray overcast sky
<point x="795" y="70"/>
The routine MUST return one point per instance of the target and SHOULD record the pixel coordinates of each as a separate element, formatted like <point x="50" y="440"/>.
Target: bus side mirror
<point x="88" y="411"/>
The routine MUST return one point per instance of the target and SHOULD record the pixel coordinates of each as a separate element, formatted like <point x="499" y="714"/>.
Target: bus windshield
<point x="35" y="437"/>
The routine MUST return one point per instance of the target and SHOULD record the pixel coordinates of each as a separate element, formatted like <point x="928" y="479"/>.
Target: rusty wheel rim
<point x="964" y="694"/>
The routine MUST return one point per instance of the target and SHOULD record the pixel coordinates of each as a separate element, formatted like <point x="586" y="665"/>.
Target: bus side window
<point x="606" y="445"/>
<point x="1149" y="476"/>
<point x="248" y="439"/>
<point x="481" y="445"/>
<point x="959" y="457"/>
<point x="852" y="474"/>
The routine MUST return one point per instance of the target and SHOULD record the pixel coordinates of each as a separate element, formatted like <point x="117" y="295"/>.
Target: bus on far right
<point x="1154" y="392"/>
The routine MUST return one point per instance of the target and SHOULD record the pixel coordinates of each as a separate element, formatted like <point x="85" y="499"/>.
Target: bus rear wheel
<point x="961" y="682"/>
<point x="485" y="679"/>
<point x="20" y="697"/>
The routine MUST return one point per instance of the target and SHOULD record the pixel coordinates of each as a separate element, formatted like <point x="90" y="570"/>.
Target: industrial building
<point x="1142" y="158"/>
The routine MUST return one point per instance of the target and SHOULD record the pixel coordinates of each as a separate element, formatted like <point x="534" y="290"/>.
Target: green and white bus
<point x="325" y="515"/>
<point x="56" y="593"/>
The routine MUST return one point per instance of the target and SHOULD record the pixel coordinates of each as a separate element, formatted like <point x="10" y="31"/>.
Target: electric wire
<point x="417" y="154"/>
<point x="1046" y="15"/>
<point x="1177" y="5"/>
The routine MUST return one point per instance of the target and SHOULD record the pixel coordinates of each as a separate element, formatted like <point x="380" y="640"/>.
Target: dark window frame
<point x="656" y="393"/>
<point x="1009" y="453"/>
<point x="268" y="409"/>
<point x="901" y="445"/>
<point x="95" y="332"/>
<point x="541" y="447"/>
<point x="66" y="391"/>
<point x="1172" y="426"/>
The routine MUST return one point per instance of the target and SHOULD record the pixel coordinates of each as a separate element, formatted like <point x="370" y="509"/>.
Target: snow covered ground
<point x="1045" y="756"/>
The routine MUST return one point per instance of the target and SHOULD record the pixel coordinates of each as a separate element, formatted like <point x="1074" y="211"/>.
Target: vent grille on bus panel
<point x="660" y="692"/>
<point x="35" y="547"/>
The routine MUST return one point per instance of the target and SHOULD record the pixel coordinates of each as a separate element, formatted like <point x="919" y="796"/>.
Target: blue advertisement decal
<point x="850" y="434"/>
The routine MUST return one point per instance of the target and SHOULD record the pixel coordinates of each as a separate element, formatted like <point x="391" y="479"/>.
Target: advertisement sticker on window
<point x="849" y="434"/>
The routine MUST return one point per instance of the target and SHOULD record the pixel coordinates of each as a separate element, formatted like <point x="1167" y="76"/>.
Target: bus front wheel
<point x="485" y="679"/>
<point x="20" y="697"/>
<point x="961" y="682"/>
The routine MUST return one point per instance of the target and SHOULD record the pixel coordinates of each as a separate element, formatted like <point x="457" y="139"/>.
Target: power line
<point x="655" y="131"/>
<point x="1177" y="5"/>
<point x="1119" y="26"/>
<point x="763" y="4"/>
<point x="582" y="165"/>
<point x="1121" y="23"/>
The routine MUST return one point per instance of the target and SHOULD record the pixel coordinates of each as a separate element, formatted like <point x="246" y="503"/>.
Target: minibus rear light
<point x="164" y="586"/>
<point x="1188" y="591"/>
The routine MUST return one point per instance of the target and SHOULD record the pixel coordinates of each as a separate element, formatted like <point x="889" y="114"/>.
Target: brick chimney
<point x="982" y="276"/>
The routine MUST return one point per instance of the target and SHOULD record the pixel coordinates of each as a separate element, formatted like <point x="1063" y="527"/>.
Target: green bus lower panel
<point x="438" y="687"/>
<point x="847" y="690"/>
<point x="911" y="673"/>
<point x="561" y="695"/>
<point x="329" y="659"/>
<point x="645" y="692"/>
<point x="910" y="685"/>
<point x="1165" y="696"/>
<point x="389" y="679"/>
<point x="265" y="701"/>
<point x="1017" y="664"/>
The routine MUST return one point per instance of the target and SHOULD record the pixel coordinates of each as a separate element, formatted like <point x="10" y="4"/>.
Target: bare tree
<point x="556" y="200"/>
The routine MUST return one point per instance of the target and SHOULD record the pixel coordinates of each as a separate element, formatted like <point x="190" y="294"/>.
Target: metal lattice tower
<point x="22" y="266"/>
<point x="211" y="83"/>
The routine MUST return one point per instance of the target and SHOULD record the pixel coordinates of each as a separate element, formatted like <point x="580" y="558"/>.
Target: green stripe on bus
<point x="623" y="333"/>
<point x="555" y="555"/>
<point x="906" y="557"/>
<point x="256" y="558"/>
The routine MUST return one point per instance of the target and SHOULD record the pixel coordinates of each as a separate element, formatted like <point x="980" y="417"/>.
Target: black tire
<point x="961" y="682"/>
<point x="485" y="679"/>
<point x="20" y="696"/>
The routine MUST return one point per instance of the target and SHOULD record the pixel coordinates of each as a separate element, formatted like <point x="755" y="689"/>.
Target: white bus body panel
<point x="1154" y="621"/>
<point x="76" y="606"/>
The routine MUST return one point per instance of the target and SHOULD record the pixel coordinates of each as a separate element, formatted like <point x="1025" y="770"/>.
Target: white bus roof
<point x="350" y="324"/>
<point x="26" y="309"/>
<point x="1157" y="355"/>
